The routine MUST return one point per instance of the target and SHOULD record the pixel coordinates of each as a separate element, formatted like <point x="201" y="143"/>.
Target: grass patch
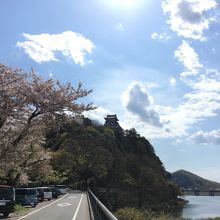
<point x="132" y="214"/>
<point x="137" y="214"/>
<point x="20" y="209"/>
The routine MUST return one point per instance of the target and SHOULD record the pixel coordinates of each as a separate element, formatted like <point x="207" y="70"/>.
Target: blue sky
<point x="153" y="63"/>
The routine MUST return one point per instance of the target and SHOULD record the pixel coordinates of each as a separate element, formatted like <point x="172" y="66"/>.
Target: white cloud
<point x="196" y="75"/>
<point x="189" y="58"/>
<point x="204" y="99"/>
<point x="202" y="102"/>
<point x="137" y="101"/>
<point x="156" y="121"/>
<point x="213" y="50"/>
<point x="150" y="131"/>
<point x="173" y="82"/>
<point x="119" y="27"/>
<point x="175" y="121"/>
<point x="152" y="85"/>
<point x="160" y="37"/>
<point x="189" y="18"/>
<point x="42" y="47"/>
<point x="189" y="113"/>
<point x="98" y="114"/>
<point x="207" y="84"/>
<point x="203" y="95"/>
<point x="201" y="137"/>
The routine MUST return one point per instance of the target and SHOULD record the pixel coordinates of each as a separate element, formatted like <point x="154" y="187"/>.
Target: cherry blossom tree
<point x="28" y="103"/>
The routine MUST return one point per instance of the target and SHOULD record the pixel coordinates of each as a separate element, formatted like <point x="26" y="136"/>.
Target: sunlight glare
<point x="123" y="4"/>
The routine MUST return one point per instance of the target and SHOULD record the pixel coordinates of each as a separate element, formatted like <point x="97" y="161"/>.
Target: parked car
<point x="40" y="194"/>
<point x="55" y="192"/>
<point x="26" y="196"/>
<point x="7" y="200"/>
<point x="47" y="192"/>
<point x="61" y="189"/>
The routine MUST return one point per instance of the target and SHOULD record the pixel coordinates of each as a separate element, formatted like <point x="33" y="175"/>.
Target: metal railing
<point x="100" y="212"/>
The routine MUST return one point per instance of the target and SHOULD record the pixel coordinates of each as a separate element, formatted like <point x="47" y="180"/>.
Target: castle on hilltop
<point x="112" y="121"/>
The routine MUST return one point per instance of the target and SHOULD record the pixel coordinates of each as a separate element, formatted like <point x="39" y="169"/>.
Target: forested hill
<point x="122" y="163"/>
<point x="43" y="145"/>
<point x="187" y="180"/>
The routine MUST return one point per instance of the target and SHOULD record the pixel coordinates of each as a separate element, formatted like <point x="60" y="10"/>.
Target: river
<point x="201" y="207"/>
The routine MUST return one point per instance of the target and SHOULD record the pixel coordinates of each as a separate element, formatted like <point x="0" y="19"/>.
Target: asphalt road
<point x="72" y="206"/>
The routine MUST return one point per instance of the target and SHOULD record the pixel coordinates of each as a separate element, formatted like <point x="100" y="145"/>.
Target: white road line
<point x="72" y="197"/>
<point x="77" y="209"/>
<point x="42" y="207"/>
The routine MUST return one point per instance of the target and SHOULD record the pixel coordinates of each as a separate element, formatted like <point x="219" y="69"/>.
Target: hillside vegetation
<point x="44" y="139"/>
<point x="187" y="180"/>
<point x="119" y="165"/>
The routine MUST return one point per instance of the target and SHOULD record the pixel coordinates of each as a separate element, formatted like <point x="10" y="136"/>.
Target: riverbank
<point x="137" y="214"/>
<point x="155" y="211"/>
<point x="199" y="207"/>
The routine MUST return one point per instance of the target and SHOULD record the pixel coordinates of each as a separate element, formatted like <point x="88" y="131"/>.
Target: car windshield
<point x="31" y="192"/>
<point x="20" y="192"/>
<point x="61" y="186"/>
<point x="40" y="191"/>
<point x="23" y="192"/>
<point x="6" y="193"/>
<point x="47" y="190"/>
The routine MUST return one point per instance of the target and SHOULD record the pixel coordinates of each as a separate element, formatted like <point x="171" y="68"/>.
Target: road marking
<point x="64" y="204"/>
<point x="43" y="207"/>
<point x="77" y="209"/>
<point x="72" y="197"/>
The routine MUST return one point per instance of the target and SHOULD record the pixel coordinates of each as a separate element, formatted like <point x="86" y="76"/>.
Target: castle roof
<point x="111" y="117"/>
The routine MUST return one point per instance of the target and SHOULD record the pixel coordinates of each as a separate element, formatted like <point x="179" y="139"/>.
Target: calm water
<point x="201" y="207"/>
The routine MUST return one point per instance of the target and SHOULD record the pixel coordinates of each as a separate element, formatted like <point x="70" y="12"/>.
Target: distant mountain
<point x="187" y="180"/>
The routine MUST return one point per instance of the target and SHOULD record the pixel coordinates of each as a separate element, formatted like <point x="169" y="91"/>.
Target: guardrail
<point x="100" y="212"/>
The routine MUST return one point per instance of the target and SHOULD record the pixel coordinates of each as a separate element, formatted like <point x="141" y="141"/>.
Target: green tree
<point x="83" y="155"/>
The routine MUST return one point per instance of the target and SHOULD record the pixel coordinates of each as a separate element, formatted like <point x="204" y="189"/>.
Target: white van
<point x="47" y="192"/>
<point x="61" y="189"/>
